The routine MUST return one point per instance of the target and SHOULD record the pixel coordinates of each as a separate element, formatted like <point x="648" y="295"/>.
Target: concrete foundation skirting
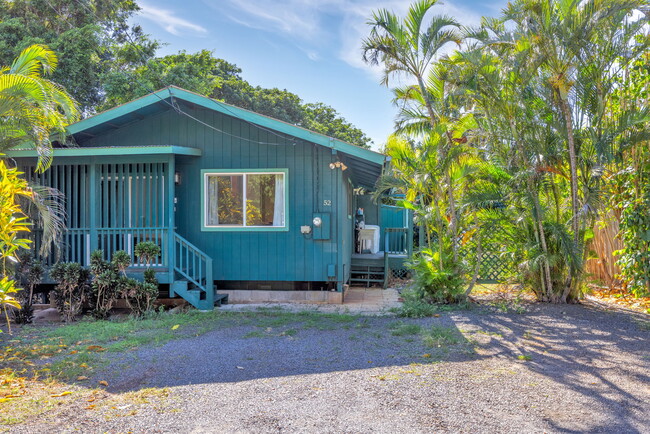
<point x="261" y="296"/>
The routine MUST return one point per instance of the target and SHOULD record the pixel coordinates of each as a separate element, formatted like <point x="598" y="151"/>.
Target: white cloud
<point x="317" y="22"/>
<point x="167" y="20"/>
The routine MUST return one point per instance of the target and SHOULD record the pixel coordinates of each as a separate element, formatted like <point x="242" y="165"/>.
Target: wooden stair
<point x="196" y="296"/>
<point x="367" y="275"/>
<point x="367" y="270"/>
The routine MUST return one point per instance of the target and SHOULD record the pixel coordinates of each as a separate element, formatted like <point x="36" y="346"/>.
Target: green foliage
<point x="634" y="260"/>
<point x="71" y="289"/>
<point x="105" y="284"/>
<point x="12" y="223"/>
<point x="205" y="74"/>
<point x="147" y="252"/>
<point x="436" y="283"/>
<point x="142" y="297"/>
<point x="525" y="121"/>
<point x="7" y="298"/>
<point x="91" y="37"/>
<point x="121" y="261"/>
<point x="29" y="273"/>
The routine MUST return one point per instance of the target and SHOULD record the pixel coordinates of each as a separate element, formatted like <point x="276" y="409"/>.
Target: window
<point x="244" y="200"/>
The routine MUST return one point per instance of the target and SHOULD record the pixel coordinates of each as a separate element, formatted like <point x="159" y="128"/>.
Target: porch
<point x="378" y="269"/>
<point x="115" y="198"/>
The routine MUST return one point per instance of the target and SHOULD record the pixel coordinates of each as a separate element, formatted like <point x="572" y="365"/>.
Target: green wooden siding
<point x="248" y="255"/>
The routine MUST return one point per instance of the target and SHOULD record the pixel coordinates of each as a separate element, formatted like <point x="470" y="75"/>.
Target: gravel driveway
<point x="549" y="369"/>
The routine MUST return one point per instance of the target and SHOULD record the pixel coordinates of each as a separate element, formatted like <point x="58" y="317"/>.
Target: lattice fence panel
<point x="495" y="264"/>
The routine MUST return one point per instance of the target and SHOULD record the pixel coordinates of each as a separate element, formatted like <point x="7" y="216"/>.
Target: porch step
<point x="366" y="275"/>
<point x="195" y="296"/>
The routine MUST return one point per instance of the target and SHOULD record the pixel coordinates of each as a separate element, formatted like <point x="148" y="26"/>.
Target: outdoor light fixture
<point x="339" y="165"/>
<point x="177" y="178"/>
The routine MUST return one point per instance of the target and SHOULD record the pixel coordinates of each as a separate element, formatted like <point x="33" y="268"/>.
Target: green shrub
<point x="446" y="284"/>
<point x="141" y="295"/>
<point x="29" y="273"/>
<point x="105" y="283"/>
<point x="70" y="291"/>
<point x="634" y="258"/>
<point x="147" y="252"/>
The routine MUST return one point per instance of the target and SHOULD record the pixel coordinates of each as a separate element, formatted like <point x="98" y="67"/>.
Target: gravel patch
<point x="549" y="369"/>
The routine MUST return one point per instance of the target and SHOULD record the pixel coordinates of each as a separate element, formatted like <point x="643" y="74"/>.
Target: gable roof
<point x="161" y="100"/>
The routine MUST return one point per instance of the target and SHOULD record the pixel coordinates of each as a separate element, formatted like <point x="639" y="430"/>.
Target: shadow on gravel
<point x="602" y="355"/>
<point x="242" y="353"/>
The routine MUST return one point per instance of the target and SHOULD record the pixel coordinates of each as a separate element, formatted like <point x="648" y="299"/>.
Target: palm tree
<point x="32" y="108"/>
<point x="34" y="111"/>
<point x="573" y="44"/>
<point x="408" y="46"/>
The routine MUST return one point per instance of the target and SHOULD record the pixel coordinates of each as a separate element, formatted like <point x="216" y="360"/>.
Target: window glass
<point x="261" y="200"/>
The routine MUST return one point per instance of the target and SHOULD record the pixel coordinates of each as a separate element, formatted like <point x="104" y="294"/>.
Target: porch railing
<point x="196" y="267"/>
<point x="397" y="241"/>
<point x="76" y="244"/>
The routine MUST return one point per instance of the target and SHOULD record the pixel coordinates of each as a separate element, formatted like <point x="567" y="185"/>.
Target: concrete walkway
<point x="361" y="301"/>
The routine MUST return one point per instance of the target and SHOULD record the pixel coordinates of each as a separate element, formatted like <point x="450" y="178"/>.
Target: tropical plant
<point x="71" y="289"/>
<point x="7" y="289"/>
<point x="32" y="108"/>
<point x="541" y="82"/>
<point x="147" y="252"/>
<point x="142" y="295"/>
<point x="29" y="273"/>
<point x="33" y="112"/>
<point x="437" y="283"/>
<point x="12" y="223"/>
<point x="104" y="284"/>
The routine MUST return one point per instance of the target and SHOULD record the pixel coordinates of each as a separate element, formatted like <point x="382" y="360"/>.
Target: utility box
<point x="322" y="232"/>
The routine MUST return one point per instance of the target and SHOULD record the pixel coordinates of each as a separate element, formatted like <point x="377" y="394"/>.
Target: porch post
<point x="94" y="184"/>
<point x="171" y="170"/>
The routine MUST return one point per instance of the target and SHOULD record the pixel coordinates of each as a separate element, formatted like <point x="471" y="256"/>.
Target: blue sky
<point x="309" y="47"/>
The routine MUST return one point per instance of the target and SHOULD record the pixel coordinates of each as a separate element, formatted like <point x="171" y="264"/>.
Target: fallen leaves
<point x="174" y="327"/>
<point x="59" y="395"/>
<point x="82" y="378"/>
<point x="95" y="348"/>
<point x="103" y="383"/>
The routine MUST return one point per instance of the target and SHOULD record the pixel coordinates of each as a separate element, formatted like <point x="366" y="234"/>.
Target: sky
<point x="309" y="47"/>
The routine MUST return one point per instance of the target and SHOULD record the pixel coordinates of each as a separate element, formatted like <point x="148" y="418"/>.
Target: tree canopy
<point x="205" y="74"/>
<point x="104" y="61"/>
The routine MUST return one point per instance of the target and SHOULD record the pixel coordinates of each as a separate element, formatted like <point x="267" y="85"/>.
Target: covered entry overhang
<point x="113" y="197"/>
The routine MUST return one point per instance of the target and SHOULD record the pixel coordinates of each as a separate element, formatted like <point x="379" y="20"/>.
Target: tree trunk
<point x="427" y="102"/>
<point x="575" y="205"/>
<point x="542" y="240"/>
<point x="452" y="219"/>
<point x="477" y="266"/>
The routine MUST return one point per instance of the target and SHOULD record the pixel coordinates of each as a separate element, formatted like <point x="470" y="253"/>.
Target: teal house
<point x="255" y="207"/>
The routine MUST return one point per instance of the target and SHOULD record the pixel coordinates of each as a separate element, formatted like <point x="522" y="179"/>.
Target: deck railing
<point x="396" y="242"/>
<point x="195" y="266"/>
<point x="76" y="244"/>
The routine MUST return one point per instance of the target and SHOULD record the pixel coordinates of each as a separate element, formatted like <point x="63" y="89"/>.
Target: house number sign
<point x="327" y="202"/>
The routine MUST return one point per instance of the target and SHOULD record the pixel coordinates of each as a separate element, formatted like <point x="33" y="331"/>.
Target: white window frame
<point x="206" y="173"/>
